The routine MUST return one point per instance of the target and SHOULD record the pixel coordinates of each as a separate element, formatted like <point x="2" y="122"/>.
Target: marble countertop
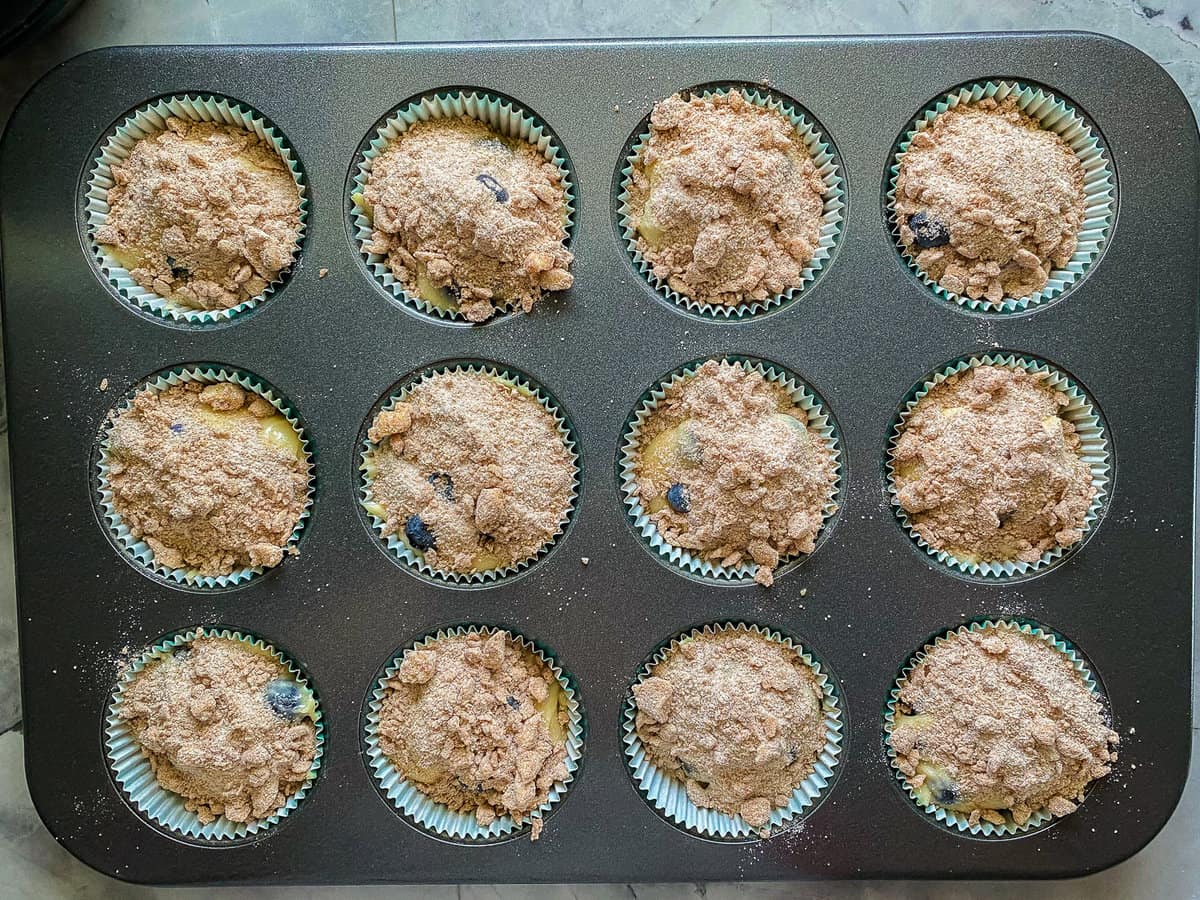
<point x="33" y="865"/>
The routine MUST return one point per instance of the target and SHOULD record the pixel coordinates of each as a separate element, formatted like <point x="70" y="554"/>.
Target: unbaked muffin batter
<point x="997" y="724"/>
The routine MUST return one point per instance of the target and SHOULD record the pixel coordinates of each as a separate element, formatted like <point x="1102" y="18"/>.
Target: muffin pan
<point x="861" y="335"/>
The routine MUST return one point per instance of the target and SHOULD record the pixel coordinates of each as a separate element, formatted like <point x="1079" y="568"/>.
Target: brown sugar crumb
<point x="478" y="723"/>
<point x="997" y="724"/>
<point x="726" y="199"/>
<point x="989" y="202"/>
<point x="202" y="214"/>
<point x="988" y="470"/>
<point x="729" y="470"/>
<point x="467" y="219"/>
<point x="211" y="477"/>
<point x="472" y="472"/>
<point x="202" y="719"/>
<point x="737" y="718"/>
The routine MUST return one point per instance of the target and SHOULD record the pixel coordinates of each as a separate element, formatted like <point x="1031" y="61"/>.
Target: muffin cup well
<point x="137" y="549"/>
<point x="395" y="543"/>
<point x="437" y="818"/>
<point x="503" y="115"/>
<point x="1099" y="186"/>
<point x="669" y="795"/>
<point x="819" y="421"/>
<point x="131" y="767"/>
<point x="948" y="818"/>
<point x="1094" y="449"/>
<point x="828" y="166"/>
<point x="151" y="119"/>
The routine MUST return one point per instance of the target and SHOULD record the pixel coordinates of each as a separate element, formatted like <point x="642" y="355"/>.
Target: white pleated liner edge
<point x="948" y="818"/>
<point x="437" y="818"/>
<point x="138" y="549"/>
<point x="151" y="119"/>
<point x="399" y="547"/>
<point x="1098" y="184"/>
<point x="1093" y="449"/>
<point x="831" y="213"/>
<point x="503" y="116"/>
<point x="669" y="796"/>
<point x="131" y="767"/>
<point x="818" y="422"/>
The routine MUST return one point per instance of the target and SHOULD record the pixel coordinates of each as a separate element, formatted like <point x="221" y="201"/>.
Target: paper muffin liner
<point x="1099" y="186"/>
<point x="437" y="818"/>
<point x="950" y="819"/>
<point x="819" y="422"/>
<point x="136" y="548"/>
<point x="1094" y="450"/>
<point x="151" y="119"/>
<point x="396" y="543"/>
<point x="131" y="767"/>
<point x="669" y="796"/>
<point x="502" y="115"/>
<point x="832" y="213"/>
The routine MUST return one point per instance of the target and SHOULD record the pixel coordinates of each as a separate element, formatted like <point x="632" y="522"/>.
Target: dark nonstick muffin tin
<point x="861" y="336"/>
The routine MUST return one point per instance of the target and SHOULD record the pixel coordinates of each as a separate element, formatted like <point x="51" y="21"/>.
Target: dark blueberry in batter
<point x="177" y="271"/>
<point x="928" y="231"/>
<point x="677" y="496"/>
<point x="177" y="427"/>
<point x="494" y="186"/>
<point x="513" y="702"/>
<point x="443" y="484"/>
<point x="283" y="697"/>
<point x="946" y="796"/>
<point x="420" y="537"/>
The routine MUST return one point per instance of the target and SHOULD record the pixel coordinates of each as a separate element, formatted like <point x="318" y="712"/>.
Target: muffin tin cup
<point x="948" y="818"/>
<point x="669" y="796"/>
<point x="832" y="213"/>
<point x="137" y="549"/>
<point x="395" y="542"/>
<point x="151" y="119"/>
<point x="134" y="775"/>
<point x="439" y="819"/>
<point x="1094" y="449"/>
<point x="819" y="422"/>
<point x="1099" y="187"/>
<point x="502" y="115"/>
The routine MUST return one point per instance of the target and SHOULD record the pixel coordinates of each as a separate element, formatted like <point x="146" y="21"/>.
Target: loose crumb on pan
<point x="210" y="476"/>
<point x="735" y="716"/>
<point x="997" y="724"/>
<point x="478" y="723"/>
<point x="202" y="214"/>
<point x="467" y="219"/>
<point x="728" y="469"/>
<point x="987" y="469"/>
<point x="725" y="199"/>
<point x="989" y="202"/>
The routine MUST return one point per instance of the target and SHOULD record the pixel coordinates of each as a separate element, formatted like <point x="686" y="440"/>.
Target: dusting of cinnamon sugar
<point x="988" y="470"/>
<point x="201" y="718"/>
<point x="997" y="722"/>
<point x="756" y="478"/>
<point x="478" y="723"/>
<point x="202" y="214"/>
<point x="468" y="219"/>
<point x="726" y="199"/>
<point x="736" y="717"/>
<point x="1006" y="193"/>
<point x="211" y="477"/>
<point x="482" y="466"/>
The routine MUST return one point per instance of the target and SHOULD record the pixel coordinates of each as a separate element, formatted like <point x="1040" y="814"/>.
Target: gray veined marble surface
<point x="33" y="865"/>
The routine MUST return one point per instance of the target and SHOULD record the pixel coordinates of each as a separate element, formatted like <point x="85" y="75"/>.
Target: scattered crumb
<point x="321" y="273"/>
<point x="104" y="384"/>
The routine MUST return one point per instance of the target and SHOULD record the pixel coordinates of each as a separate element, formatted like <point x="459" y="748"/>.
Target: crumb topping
<point x="202" y="214"/>
<point x="987" y="468"/>
<point x="726" y="199"/>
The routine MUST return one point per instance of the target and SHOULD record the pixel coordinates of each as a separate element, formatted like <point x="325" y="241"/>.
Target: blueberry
<point x="928" y="231"/>
<point x="513" y="702"/>
<point x="677" y="496"/>
<point x="177" y="427"/>
<point x="177" y="271"/>
<point x="443" y="484"/>
<point x="283" y="696"/>
<point x="494" y="186"/>
<point x="946" y="796"/>
<point x="420" y="537"/>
